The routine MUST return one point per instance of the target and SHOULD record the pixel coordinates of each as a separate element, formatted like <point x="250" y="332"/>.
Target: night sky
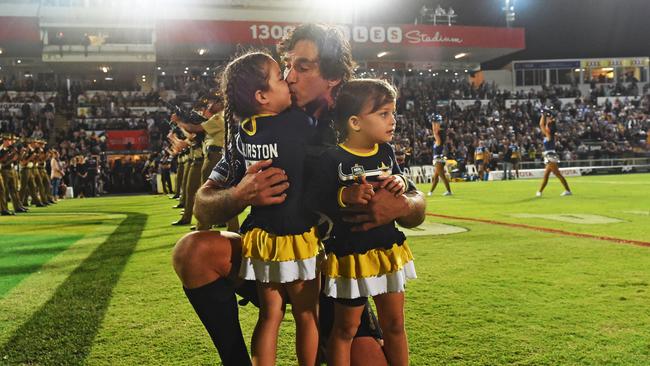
<point x="554" y="28"/>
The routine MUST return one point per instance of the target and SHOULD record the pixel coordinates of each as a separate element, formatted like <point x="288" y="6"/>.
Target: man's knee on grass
<point x="204" y="256"/>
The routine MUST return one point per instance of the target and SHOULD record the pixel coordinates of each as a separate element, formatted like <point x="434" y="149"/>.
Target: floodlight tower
<point x="509" y="10"/>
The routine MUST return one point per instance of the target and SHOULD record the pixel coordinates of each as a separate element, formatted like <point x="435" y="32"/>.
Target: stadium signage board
<point x="268" y="33"/>
<point x="615" y="62"/>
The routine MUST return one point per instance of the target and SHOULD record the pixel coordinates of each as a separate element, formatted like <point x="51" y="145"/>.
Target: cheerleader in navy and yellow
<point x="515" y="156"/>
<point x="481" y="159"/>
<point x="374" y="263"/>
<point x="551" y="158"/>
<point x="439" y="158"/>
<point x="280" y="248"/>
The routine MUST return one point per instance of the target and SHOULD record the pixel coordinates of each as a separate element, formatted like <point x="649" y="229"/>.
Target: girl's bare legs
<point x="390" y="309"/>
<point x="265" y="336"/>
<point x="304" y="306"/>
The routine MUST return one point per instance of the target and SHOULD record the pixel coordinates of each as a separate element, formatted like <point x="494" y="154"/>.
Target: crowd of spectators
<point x="614" y="129"/>
<point x="617" y="128"/>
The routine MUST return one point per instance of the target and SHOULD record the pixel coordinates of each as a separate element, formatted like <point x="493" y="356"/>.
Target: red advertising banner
<point x="127" y="140"/>
<point x="269" y="33"/>
<point x="19" y="29"/>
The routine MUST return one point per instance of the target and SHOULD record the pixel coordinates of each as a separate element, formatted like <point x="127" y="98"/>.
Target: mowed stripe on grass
<point x="544" y="229"/>
<point x="490" y="295"/>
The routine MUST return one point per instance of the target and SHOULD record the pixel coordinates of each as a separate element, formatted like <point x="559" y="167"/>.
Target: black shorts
<point x="368" y="327"/>
<point x="248" y="292"/>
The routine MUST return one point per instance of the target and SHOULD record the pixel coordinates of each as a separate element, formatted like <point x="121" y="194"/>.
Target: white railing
<point x="613" y="162"/>
<point x="536" y="169"/>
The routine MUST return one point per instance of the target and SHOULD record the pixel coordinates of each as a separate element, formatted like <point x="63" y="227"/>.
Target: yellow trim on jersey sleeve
<point x="372" y="263"/>
<point x="253" y="123"/>
<point x="339" y="197"/>
<point x="371" y="153"/>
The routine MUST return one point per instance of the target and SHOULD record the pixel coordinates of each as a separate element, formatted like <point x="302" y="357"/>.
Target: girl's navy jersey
<point x="338" y="168"/>
<point x="283" y="138"/>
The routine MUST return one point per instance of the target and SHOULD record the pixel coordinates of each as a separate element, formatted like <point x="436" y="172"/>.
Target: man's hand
<point x="394" y="184"/>
<point x="407" y="209"/>
<point x="384" y="207"/>
<point x="262" y="187"/>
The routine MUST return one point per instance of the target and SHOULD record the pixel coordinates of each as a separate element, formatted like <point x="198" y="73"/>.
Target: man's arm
<point x="260" y="186"/>
<point x="189" y="127"/>
<point x="415" y="211"/>
<point x="215" y="203"/>
<point x="407" y="209"/>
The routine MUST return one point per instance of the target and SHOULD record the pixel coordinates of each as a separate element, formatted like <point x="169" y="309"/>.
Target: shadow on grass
<point x="63" y="330"/>
<point x="36" y="251"/>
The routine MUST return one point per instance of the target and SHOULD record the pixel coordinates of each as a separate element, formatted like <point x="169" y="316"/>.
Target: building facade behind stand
<point x="106" y="65"/>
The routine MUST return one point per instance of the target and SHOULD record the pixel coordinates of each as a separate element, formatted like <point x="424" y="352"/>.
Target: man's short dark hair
<point x="334" y="52"/>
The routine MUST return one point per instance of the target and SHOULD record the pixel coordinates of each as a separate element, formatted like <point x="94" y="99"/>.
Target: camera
<point x="176" y="130"/>
<point x="187" y="116"/>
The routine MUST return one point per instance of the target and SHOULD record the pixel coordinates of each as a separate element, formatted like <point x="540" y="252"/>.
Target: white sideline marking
<point x="432" y="228"/>
<point x="572" y="218"/>
<point x="614" y="182"/>
<point x="636" y="212"/>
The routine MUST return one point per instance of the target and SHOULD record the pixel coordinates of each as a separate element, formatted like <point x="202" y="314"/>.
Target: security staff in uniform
<point x="176" y="153"/>
<point x="27" y="183"/>
<point x="10" y="153"/>
<point x="43" y="179"/>
<point x="180" y="148"/>
<point x="192" y="175"/>
<point x="165" y="172"/>
<point x="4" y="208"/>
<point x="214" y="129"/>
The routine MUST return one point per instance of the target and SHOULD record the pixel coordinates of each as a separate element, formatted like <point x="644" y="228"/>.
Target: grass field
<point x="89" y="281"/>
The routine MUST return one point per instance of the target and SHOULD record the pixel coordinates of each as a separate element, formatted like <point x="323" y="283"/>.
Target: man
<point x="165" y="172"/>
<point x="192" y="175"/>
<point x="4" y="208"/>
<point x="214" y="129"/>
<point x="318" y="61"/>
<point x="181" y="150"/>
<point x="505" y="149"/>
<point x="27" y="182"/>
<point x="9" y="175"/>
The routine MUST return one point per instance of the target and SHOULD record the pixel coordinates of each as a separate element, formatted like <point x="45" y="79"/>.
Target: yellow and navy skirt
<point x="372" y="273"/>
<point x="280" y="258"/>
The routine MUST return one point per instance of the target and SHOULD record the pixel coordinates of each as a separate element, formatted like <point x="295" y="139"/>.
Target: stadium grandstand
<point x="96" y="98"/>
<point x="97" y="68"/>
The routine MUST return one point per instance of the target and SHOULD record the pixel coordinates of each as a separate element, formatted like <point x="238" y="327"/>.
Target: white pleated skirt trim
<point x="352" y="288"/>
<point x="279" y="272"/>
